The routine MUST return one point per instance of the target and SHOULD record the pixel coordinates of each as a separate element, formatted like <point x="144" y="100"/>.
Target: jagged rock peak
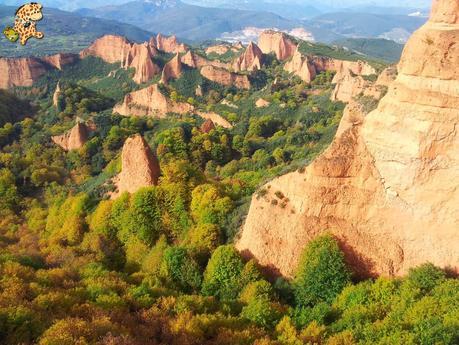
<point x="169" y="44"/>
<point x="250" y="60"/>
<point x="117" y="49"/>
<point x="73" y="139"/>
<point x="277" y="42"/>
<point x="172" y="70"/>
<point x="139" y="166"/>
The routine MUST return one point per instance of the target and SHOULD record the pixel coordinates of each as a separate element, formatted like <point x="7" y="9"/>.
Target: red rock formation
<point x="56" y="95"/>
<point x="278" y="43"/>
<point x="261" y="103"/>
<point x="207" y="126"/>
<point x="250" y="60"/>
<point x="307" y="67"/>
<point x="302" y="67"/>
<point x="139" y="166"/>
<point x="223" y="77"/>
<point x="215" y="118"/>
<point x="348" y="86"/>
<point x="150" y="102"/>
<point x="172" y="70"/>
<point x="140" y="58"/>
<point x="73" y="139"/>
<point x="169" y="44"/>
<point x="60" y="60"/>
<point x="220" y="49"/>
<point x="387" y="187"/>
<point x="21" y="71"/>
<point x="117" y="49"/>
<point x="196" y="61"/>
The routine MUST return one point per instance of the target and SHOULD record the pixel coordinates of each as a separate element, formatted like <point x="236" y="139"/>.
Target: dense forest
<point x="159" y="266"/>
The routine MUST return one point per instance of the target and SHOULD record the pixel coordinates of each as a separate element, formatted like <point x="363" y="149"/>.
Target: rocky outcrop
<point x="261" y="103"/>
<point x="139" y="167"/>
<point x="73" y="139"/>
<point x="58" y="61"/>
<point x="140" y="58"/>
<point x="348" y="86"/>
<point x="194" y="60"/>
<point x="250" y="60"/>
<point x="215" y="118"/>
<point x="172" y="70"/>
<point x="220" y="49"/>
<point x="278" y="43"/>
<point x="21" y="71"/>
<point x="301" y="66"/>
<point x="307" y="67"/>
<point x="207" y="126"/>
<point x="387" y="188"/>
<point x="224" y="77"/>
<point x="150" y="102"/>
<point x="56" y="95"/>
<point x="169" y="44"/>
<point x="117" y="49"/>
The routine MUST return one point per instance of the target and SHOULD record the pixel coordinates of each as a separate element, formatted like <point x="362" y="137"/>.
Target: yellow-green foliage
<point x="208" y="205"/>
<point x="100" y="220"/>
<point x="66" y="220"/>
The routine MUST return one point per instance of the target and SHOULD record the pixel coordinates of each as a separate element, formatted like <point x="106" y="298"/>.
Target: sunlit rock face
<point x="388" y="186"/>
<point x="139" y="167"/>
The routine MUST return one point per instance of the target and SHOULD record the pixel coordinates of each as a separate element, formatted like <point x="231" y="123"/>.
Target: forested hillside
<point x="82" y="265"/>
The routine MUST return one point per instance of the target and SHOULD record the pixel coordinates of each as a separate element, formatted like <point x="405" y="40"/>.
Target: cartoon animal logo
<point x="25" y="22"/>
<point x="11" y="34"/>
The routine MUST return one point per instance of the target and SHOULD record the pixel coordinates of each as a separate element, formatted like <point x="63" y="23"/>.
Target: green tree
<point x="322" y="273"/>
<point x="223" y="273"/>
<point x="180" y="268"/>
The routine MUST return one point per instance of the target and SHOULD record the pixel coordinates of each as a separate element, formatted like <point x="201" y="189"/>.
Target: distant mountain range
<point x="394" y="27"/>
<point x="70" y="31"/>
<point x="65" y="32"/>
<point x="188" y="21"/>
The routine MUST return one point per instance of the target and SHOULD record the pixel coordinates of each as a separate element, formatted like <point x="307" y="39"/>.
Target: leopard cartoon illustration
<point x="25" y="22"/>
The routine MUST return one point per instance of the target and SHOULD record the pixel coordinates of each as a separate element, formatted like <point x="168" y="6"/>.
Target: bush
<point x="322" y="273"/>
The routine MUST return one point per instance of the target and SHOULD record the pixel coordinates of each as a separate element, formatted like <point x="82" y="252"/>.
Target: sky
<point x="332" y="3"/>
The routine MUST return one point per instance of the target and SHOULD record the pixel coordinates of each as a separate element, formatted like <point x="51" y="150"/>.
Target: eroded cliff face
<point x="277" y="43"/>
<point x="73" y="139"/>
<point x="58" y="61"/>
<point x="196" y="61"/>
<point x="387" y="187"/>
<point x="224" y="77"/>
<point x="250" y="60"/>
<point x="301" y="66"/>
<point x="139" y="167"/>
<point x="150" y="102"/>
<point x="169" y="44"/>
<point x="117" y="49"/>
<point x="21" y="71"/>
<point x="172" y="70"/>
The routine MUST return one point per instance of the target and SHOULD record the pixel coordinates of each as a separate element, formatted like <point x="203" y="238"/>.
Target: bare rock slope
<point x="139" y="166"/>
<point x="73" y="139"/>
<point x="388" y="186"/>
